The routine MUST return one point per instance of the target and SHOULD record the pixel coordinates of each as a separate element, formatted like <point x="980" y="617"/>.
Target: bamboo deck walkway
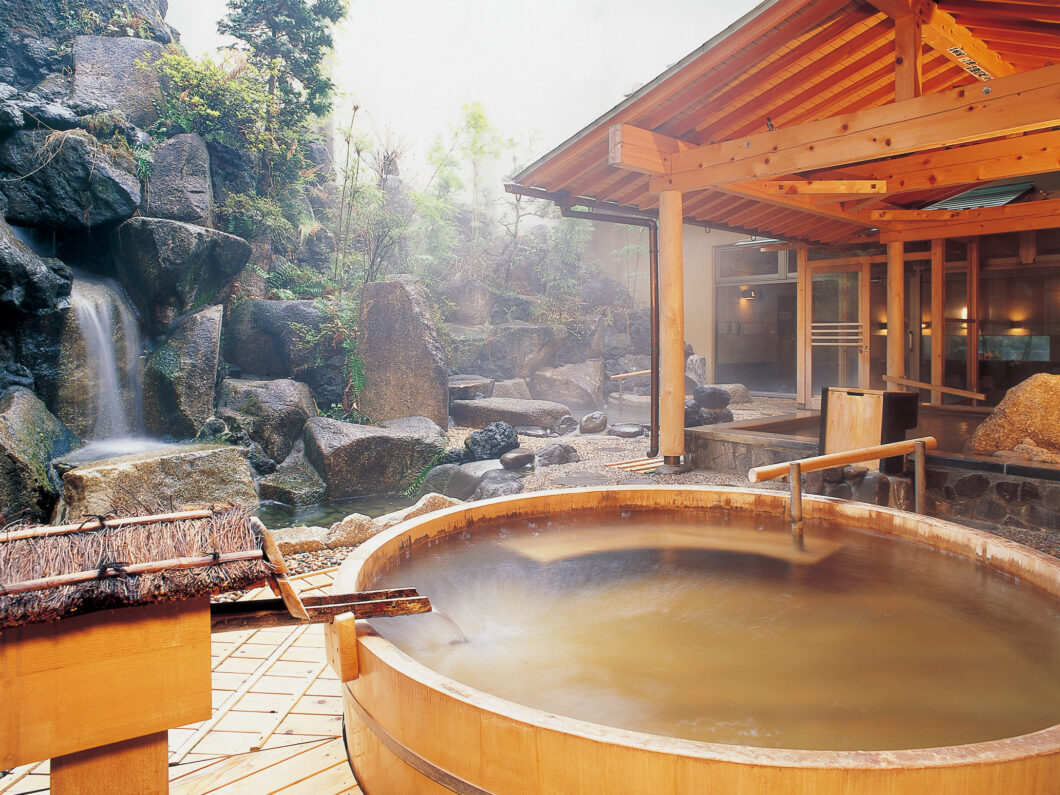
<point x="276" y="725"/>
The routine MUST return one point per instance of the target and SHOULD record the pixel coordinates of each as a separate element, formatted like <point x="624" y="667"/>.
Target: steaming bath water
<point x="881" y="644"/>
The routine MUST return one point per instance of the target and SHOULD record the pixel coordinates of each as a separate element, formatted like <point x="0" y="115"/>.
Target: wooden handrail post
<point x="795" y="507"/>
<point x="919" y="476"/>
<point x="814" y="463"/>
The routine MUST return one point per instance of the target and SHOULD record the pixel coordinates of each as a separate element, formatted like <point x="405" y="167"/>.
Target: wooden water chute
<point x="105" y="635"/>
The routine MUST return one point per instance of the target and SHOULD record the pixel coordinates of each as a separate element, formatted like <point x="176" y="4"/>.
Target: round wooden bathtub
<point x="411" y="730"/>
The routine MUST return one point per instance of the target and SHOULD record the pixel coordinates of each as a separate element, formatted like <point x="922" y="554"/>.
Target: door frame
<point x="804" y="369"/>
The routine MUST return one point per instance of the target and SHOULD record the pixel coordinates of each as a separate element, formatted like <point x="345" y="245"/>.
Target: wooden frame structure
<point x="831" y="124"/>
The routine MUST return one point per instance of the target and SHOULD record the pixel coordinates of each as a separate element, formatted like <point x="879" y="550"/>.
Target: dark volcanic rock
<point x="29" y="285"/>
<point x="358" y="460"/>
<point x="493" y="441"/>
<point x="714" y="416"/>
<point x="710" y="397"/>
<point x="180" y="186"/>
<point x="67" y="180"/>
<point x="30" y="436"/>
<point x="170" y="267"/>
<point x="180" y="375"/>
<point x="405" y="370"/>
<point x="272" y="412"/>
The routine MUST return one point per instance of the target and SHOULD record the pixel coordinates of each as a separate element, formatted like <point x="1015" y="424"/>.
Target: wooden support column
<point x="938" y="322"/>
<point x="896" y="309"/>
<point x="802" y="326"/>
<point x="671" y="328"/>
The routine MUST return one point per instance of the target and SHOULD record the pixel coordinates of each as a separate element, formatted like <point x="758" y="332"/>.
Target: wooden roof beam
<point x="1021" y="156"/>
<point x="929" y="224"/>
<point x="1018" y="103"/>
<point x="787" y="187"/>
<point x="945" y="35"/>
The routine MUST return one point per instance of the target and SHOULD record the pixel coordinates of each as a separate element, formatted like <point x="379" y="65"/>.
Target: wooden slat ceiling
<point x="787" y="63"/>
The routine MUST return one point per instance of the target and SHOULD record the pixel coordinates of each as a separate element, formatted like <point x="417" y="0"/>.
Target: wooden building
<point x="898" y="149"/>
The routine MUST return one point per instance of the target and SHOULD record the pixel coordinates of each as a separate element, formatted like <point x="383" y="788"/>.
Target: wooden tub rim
<point x="975" y="545"/>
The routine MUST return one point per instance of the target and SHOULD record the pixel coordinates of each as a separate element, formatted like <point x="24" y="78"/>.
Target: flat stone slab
<point x="480" y="413"/>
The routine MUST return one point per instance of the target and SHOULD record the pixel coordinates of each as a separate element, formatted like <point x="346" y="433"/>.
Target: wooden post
<point x="802" y="319"/>
<point x="908" y="57"/>
<point x="896" y="309"/>
<point x="137" y="765"/>
<point x="919" y="476"/>
<point x="938" y="322"/>
<point x="972" y="341"/>
<point x="672" y="329"/>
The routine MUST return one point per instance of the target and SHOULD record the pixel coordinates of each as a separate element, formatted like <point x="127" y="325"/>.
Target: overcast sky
<point x="544" y="68"/>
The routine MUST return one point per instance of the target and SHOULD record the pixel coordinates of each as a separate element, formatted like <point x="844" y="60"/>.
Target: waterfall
<point x="105" y="371"/>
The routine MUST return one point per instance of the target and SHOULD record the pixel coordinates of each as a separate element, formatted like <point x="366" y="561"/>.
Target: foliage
<point x="76" y="19"/>
<point x="223" y="102"/>
<point x="289" y="281"/>
<point x="337" y="332"/>
<point x="249" y="215"/>
<point x="563" y="269"/>
<point x="371" y="227"/>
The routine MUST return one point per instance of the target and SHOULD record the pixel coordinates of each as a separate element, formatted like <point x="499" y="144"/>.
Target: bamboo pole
<point x="814" y="463"/>
<point x="96" y="524"/>
<point x="118" y="570"/>
<point x="672" y="328"/>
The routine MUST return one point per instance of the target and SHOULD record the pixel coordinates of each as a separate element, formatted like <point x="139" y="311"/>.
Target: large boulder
<point x="470" y="300"/>
<point x="1030" y="410"/>
<point x="498" y="483"/>
<point x="579" y="384"/>
<point x="271" y="412"/>
<point x="405" y="370"/>
<point x="66" y="180"/>
<point x="30" y="437"/>
<point x="29" y="284"/>
<point x="480" y="413"/>
<point x="180" y="187"/>
<point x="117" y="73"/>
<point x="510" y="388"/>
<point x="269" y="339"/>
<point x="170" y="267"/>
<point x="359" y="460"/>
<point x="178" y="477"/>
<point x="294" y="482"/>
<point x="507" y="350"/>
<point x="180" y="376"/>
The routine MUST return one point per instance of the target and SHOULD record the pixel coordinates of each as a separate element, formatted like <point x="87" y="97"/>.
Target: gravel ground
<point x="598" y="450"/>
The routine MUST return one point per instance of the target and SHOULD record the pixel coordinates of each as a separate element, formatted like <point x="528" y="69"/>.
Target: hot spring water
<point x="882" y="644"/>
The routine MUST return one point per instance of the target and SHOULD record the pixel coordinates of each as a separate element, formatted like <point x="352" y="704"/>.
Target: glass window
<point x="735" y="262"/>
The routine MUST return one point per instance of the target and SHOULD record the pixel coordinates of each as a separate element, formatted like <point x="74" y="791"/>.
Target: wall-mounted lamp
<point x="882" y="325"/>
<point x="1015" y="324"/>
<point x="925" y="325"/>
<point x="749" y="294"/>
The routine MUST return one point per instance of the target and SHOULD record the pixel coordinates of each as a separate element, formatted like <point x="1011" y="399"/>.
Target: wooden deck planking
<point x="271" y="688"/>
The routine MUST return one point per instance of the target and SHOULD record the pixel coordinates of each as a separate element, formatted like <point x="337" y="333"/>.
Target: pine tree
<point x="288" y="40"/>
